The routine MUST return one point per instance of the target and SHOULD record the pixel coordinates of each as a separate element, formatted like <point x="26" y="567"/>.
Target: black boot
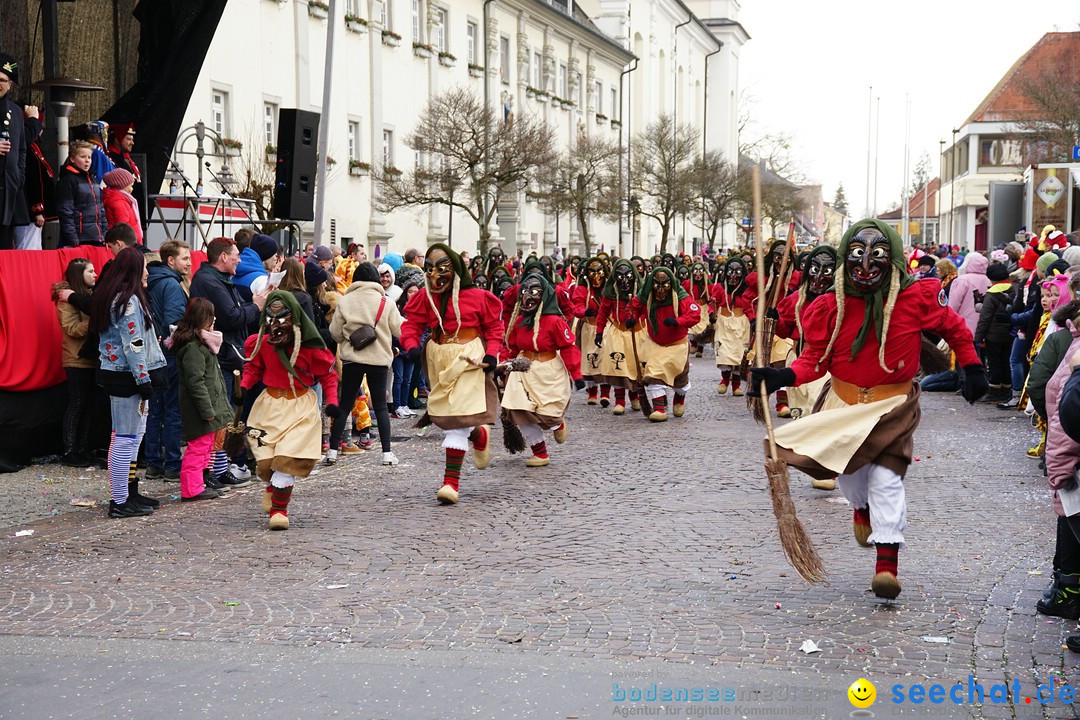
<point x="1065" y="601"/>
<point x="128" y="509"/>
<point x="1073" y="643"/>
<point x="1051" y="588"/>
<point x="138" y="499"/>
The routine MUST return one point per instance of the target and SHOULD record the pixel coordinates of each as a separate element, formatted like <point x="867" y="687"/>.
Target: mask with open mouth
<point x="532" y="294"/>
<point x="868" y="261"/>
<point x="734" y="275"/>
<point x="440" y="271"/>
<point x="278" y="326"/>
<point x="821" y="271"/>
<point x="597" y="274"/>
<point x="662" y="286"/>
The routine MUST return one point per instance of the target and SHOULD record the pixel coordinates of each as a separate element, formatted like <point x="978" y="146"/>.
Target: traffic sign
<point x="746" y="222"/>
<point x="1076" y="152"/>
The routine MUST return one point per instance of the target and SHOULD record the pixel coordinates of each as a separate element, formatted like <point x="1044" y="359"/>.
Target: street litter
<point x="82" y="502"/>
<point x="23" y="533"/>
<point x="933" y="639"/>
<point x="336" y="587"/>
<point x="809" y="646"/>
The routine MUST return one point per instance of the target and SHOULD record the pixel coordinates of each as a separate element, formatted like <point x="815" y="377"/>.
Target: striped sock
<point x="680" y="399"/>
<point x="454" y="458"/>
<point x="886" y="557"/>
<point x="221" y="463"/>
<point x="121" y="451"/>
<point x="620" y="396"/>
<point x="131" y="470"/>
<point x="659" y="404"/>
<point x="605" y="391"/>
<point x="781" y="398"/>
<point x="736" y="382"/>
<point x="540" y="449"/>
<point x="479" y="438"/>
<point x="725" y="376"/>
<point x="279" y="500"/>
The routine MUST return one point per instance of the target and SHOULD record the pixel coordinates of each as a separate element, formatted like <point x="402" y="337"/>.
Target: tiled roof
<point x="1008" y="101"/>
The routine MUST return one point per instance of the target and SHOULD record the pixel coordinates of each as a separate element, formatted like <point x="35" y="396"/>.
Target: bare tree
<point x="662" y="173"/>
<point x="774" y="147"/>
<point x="1052" y="127"/>
<point x="584" y="182"/>
<point x="475" y="159"/>
<point x="717" y="185"/>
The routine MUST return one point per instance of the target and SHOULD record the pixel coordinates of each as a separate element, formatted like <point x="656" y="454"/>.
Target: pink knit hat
<point x="118" y="179"/>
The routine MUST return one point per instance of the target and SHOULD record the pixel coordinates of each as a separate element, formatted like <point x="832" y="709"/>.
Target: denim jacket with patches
<point x="127" y="344"/>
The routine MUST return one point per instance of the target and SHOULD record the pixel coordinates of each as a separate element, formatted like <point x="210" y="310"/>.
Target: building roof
<point x="1008" y="101"/>
<point x="915" y="204"/>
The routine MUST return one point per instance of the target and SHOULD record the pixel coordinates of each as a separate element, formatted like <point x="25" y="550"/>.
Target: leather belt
<point x="542" y="356"/>
<point x="461" y="337"/>
<point x="854" y="395"/>
<point x="285" y="392"/>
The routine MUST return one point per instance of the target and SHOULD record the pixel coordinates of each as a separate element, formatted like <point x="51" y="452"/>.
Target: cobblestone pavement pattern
<point x="638" y="541"/>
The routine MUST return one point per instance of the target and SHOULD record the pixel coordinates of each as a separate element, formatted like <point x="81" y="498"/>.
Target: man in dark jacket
<point x="235" y="318"/>
<point x="12" y="156"/>
<point x="168" y="301"/>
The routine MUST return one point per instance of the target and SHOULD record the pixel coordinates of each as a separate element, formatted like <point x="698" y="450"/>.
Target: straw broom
<point x="798" y="547"/>
<point x="235" y="443"/>
<point x="781" y="278"/>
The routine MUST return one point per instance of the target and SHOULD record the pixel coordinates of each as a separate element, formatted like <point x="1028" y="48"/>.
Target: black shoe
<point x="128" y="509"/>
<point x="1073" y="643"/>
<point x="212" y="482"/>
<point x="138" y="498"/>
<point x="76" y="459"/>
<point x="1051" y="588"/>
<point x="154" y="473"/>
<point x="227" y="478"/>
<point x="206" y="494"/>
<point x="1065" y="601"/>
<point x="169" y="476"/>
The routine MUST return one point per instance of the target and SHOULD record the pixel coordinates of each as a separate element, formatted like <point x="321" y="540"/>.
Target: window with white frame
<point x="538" y="71"/>
<point x="439" y="30"/>
<point x="219" y="112"/>
<point x="471" y="30"/>
<point x="504" y="59"/>
<point x="579" y="91"/>
<point x="386" y="15"/>
<point x="614" y="102"/>
<point x="352" y="7"/>
<point x="418" y="160"/>
<point x="270" y="122"/>
<point x="416" y="21"/>
<point x="388" y="148"/>
<point x="354" y="140"/>
<point x="598" y="89"/>
<point x="561" y="92"/>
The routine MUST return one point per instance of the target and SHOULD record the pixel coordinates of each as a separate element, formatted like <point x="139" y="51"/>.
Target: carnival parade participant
<point x="621" y="351"/>
<point x="536" y="399"/>
<point x="782" y="350"/>
<point x="458" y="359"/>
<point x="667" y="313"/>
<point x="731" y="305"/>
<point x="819" y="268"/>
<point x="697" y="287"/>
<point x="587" y="296"/>
<point x="868" y="335"/>
<point x="284" y="426"/>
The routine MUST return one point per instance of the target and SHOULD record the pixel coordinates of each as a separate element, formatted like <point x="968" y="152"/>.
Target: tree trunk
<point x="665" y="227"/>
<point x="583" y="223"/>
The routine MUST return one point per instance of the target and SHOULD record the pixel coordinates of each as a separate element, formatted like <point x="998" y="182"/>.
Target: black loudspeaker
<point x="294" y="184"/>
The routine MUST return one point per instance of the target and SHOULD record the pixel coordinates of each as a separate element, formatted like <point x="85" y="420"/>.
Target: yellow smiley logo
<point x="862" y="693"/>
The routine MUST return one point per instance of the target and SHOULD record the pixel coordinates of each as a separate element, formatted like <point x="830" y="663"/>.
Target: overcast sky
<point x="809" y="66"/>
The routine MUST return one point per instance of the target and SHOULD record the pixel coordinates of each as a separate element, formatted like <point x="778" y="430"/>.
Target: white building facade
<point x="604" y="67"/>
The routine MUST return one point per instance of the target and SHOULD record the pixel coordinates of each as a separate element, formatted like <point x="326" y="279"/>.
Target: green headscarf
<point x="645" y="292"/>
<point x="534" y="266"/>
<point x="549" y="304"/>
<point x="610" y="289"/>
<point x="309" y="334"/>
<point x="583" y="276"/>
<point x="874" y="314"/>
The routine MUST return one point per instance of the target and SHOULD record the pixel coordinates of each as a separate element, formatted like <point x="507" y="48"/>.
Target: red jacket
<point x="917" y="309"/>
<point x="120" y="207"/>
<point x="554" y="335"/>
<point x="700" y="294"/>
<point x="614" y="311"/>
<point x="688" y="317"/>
<point x="752" y="289"/>
<point x="479" y="309"/>
<point x="718" y="298"/>
<point x="786" y="327"/>
<point x="562" y="295"/>
<point x="586" y="298"/>
<point x="313" y="365"/>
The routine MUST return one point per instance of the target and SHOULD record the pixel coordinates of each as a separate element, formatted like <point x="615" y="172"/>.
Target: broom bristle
<point x="235" y="443"/>
<point x="513" y="440"/>
<point x="423" y="422"/>
<point x="756" y="406"/>
<point x="931" y="359"/>
<point x="798" y="547"/>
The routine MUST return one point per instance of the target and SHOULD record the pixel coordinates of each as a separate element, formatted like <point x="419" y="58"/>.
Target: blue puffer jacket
<point x="79" y="207"/>
<point x="250" y="267"/>
<point x="128" y="349"/>
<point x="166" y="295"/>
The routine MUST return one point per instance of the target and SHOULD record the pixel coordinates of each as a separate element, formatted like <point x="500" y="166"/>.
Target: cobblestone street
<point x="642" y="545"/>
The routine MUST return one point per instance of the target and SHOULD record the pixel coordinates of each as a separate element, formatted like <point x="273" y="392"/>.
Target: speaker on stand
<point x="297" y="159"/>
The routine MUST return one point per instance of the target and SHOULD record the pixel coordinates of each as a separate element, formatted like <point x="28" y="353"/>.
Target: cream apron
<point x="617" y="354"/>
<point x="665" y="363"/>
<point x="456" y="387"/>
<point x="833" y="434"/>
<point x="732" y="337"/>
<point x="590" y="354"/>
<point x="280" y="426"/>
<point x="543" y="390"/>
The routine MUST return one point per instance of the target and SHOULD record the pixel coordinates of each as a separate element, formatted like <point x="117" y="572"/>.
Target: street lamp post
<point x="635" y="208"/>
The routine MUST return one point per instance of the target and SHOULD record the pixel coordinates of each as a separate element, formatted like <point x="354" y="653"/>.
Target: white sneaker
<point x="389" y="458"/>
<point x="405" y="412"/>
<point x="240" y="472"/>
<point x="331" y="457"/>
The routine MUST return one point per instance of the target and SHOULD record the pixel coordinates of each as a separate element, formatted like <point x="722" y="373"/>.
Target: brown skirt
<point x="890" y="444"/>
